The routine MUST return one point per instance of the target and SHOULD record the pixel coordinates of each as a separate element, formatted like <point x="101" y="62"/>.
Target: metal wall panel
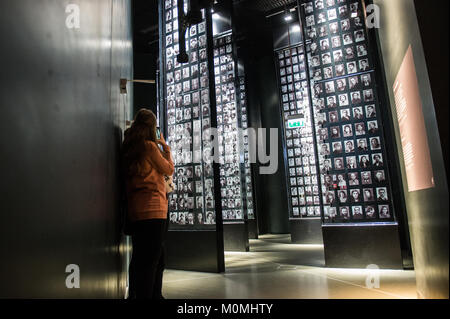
<point x="427" y="210"/>
<point x="62" y="118"/>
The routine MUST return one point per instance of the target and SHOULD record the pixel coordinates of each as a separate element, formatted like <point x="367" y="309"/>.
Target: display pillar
<point x="306" y="231"/>
<point x="362" y="246"/>
<point x="252" y="229"/>
<point x="235" y="237"/>
<point x="188" y="112"/>
<point x="359" y="219"/>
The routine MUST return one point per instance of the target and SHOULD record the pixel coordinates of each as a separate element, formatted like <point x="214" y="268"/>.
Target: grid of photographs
<point x="188" y="116"/>
<point x="227" y="124"/>
<point x="304" y="191"/>
<point x="338" y="38"/>
<point x="355" y="185"/>
<point x="247" y="182"/>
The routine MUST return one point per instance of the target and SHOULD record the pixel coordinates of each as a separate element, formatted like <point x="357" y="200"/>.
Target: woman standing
<point x="145" y="167"/>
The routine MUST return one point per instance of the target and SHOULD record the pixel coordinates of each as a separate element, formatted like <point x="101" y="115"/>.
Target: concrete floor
<point x="276" y="269"/>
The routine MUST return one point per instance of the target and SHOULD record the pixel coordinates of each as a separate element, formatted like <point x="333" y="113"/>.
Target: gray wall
<point x="274" y="202"/>
<point x="60" y="129"/>
<point x="427" y="210"/>
<point x="144" y="95"/>
<point x="255" y="48"/>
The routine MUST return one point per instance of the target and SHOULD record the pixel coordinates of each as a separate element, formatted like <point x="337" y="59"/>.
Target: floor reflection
<point x="276" y="269"/>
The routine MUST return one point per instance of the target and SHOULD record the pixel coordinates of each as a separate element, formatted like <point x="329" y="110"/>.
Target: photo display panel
<point x="302" y="166"/>
<point x="230" y="136"/>
<point x="248" y="183"/>
<point x="352" y="156"/>
<point x="186" y="98"/>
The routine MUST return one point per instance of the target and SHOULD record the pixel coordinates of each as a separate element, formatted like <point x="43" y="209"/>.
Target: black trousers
<point x="148" y="259"/>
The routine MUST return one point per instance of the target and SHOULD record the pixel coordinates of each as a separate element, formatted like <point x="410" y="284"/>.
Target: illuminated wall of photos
<point x="228" y="124"/>
<point x="188" y="115"/>
<point x="354" y="176"/>
<point x="304" y="193"/>
<point x="248" y="188"/>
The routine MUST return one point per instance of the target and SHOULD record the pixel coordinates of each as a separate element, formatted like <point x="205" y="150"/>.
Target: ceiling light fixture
<point x="287" y="15"/>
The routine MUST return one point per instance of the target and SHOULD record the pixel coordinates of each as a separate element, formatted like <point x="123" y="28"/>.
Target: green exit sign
<point x="296" y="123"/>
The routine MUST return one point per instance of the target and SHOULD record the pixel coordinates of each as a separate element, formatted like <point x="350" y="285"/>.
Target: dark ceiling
<point x="145" y="26"/>
<point x="145" y="19"/>
<point x="265" y="6"/>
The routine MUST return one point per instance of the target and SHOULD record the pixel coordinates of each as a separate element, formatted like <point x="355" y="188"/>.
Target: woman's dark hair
<point x="142" y="130"/>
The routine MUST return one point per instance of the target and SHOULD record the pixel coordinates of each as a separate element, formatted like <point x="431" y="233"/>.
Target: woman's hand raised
<point x="161" y="140"/>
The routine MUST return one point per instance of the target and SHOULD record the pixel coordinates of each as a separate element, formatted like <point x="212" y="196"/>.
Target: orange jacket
<point x="146" y="195"/>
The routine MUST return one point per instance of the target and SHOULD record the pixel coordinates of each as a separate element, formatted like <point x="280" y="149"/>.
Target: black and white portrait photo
<point x="364" y="161"/>
<point x="359" y="36"/>
<point x="340" y="70"/>
<point x="366" y="79"/>
<point x="328" y="72"/>
<point x="326" y="58"/>
<point x="341" y="85"/>
<point x="370" y="212"/>
<point x="368" y="95"/>
<point x="375" y="144"/>
<point x="341" y="182"/>
<point x="321" y="18"/>
<point x="368" y="195"/>
<point x="362" y="145"/>
<point x="339" y="163"/>
<point x="334" y="27"/>
<point x="324" y="45"/>
<point x="201" y="27"/>
<point x="358" y="113"/>
<point x="351" y="67"/>
<point x="344" y="212"/>
<point x="331" y="102"/>
<point x="354" y="82"/>
<point x="382" y="195"/>
<point x="347" y="39"/>
<point x="353" y="179"/>
<point x="361" y="50"/>
<point x="335" y="132"/>
<point x="356" y="97"/>
<point x="337" y="148"/>
<point x="372" y="127"/>
<point x="351" y="162"/>
<point x="370" y="111"/>
<point x="323" y="31"/>
<point x="345" y="115"/>
<point x="336" y="42"/>
<point x="345" y="25"/>
<point x="357" y="212"/>
<point x="377" y="160"/>
<point x="366" y="178"/>
<point x="383" y="211"/>
<point x="343" y="12"/>
<point x="347" y="130"/>
<point x="379" y="176"/>
<point x="310" y="21"/>
<point x="343" y="100"/>
<point x="360" y="129"/>
<point x="349" y="146"/>
<point x="332" y="14"/>
<point x="364" y="65"/>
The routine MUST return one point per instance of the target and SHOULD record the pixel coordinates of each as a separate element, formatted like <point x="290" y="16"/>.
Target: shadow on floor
<point x="271" y="252"/>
